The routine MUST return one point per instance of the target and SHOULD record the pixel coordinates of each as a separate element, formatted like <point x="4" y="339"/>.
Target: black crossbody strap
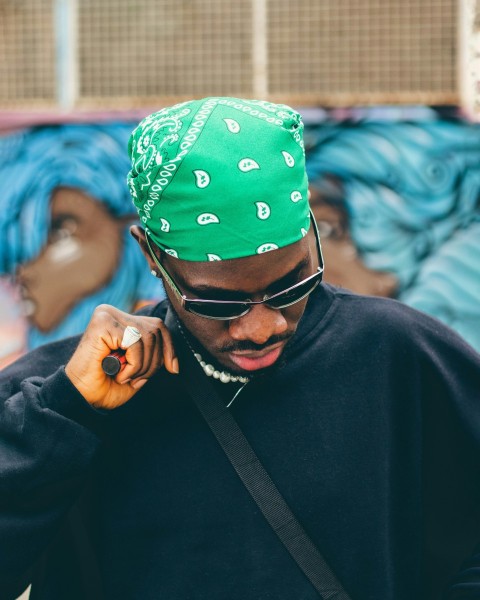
<point x="256" y="479"/>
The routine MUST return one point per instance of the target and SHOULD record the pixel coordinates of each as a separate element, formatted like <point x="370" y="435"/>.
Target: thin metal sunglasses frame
<point x="247" y="304"/>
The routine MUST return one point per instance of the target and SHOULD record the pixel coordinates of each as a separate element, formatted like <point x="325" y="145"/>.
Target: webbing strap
<point x="256" y="479"/>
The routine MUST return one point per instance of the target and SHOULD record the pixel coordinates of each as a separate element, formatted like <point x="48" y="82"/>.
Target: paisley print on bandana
<point x="220" y="178"/>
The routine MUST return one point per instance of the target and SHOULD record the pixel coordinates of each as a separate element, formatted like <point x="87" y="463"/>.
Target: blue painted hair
<point x="412" y="193"/>
<point x="94" y="159"/>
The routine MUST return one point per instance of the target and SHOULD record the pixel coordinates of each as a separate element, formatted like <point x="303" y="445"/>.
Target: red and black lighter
<point x="114" y="362"/>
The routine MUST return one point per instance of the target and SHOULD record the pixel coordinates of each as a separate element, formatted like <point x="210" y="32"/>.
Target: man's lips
<point x="253" y="360"/>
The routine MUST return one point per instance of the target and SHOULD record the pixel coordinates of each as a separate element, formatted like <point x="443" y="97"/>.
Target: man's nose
<point x="258" y="325"/>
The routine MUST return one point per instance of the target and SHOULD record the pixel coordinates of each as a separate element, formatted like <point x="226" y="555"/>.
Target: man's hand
<point x="103" y="335"/>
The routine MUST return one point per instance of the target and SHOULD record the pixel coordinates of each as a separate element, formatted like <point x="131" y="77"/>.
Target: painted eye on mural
<point x="62" y="227"/>
<point x="330" y="230"/>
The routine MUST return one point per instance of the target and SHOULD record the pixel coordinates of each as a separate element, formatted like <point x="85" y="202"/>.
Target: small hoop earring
<point x="154" y="273"/>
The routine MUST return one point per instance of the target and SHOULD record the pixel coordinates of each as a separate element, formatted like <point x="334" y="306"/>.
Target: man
<point x="364" y="412"/>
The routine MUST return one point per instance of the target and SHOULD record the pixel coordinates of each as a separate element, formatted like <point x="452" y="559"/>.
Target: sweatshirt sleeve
<point x="451" y="461"/>
<point x="49" y="436"/>
<point x="467" y="583"/>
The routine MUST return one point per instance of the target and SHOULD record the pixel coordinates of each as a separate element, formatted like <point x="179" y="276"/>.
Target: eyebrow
<point x="220" y="293"/>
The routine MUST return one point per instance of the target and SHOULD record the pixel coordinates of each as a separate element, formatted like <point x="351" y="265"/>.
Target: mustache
<point x="248" y="345"/>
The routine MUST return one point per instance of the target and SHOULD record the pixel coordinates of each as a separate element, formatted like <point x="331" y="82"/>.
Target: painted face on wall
<point x="81" y="255"/>
<point x="345" y="267"/>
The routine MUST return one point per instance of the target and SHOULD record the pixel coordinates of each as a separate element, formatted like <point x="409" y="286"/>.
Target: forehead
<point x="77" y="204"/>
<point x="252" y="273"/>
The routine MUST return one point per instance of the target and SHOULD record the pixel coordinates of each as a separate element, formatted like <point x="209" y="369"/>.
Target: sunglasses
<point x="224" y="310"/>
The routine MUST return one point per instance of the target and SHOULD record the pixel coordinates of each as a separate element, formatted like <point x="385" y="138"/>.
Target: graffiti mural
<point x="398" y="206"/>
<point x="64" y="240"/>
<point x="397" y="202"/>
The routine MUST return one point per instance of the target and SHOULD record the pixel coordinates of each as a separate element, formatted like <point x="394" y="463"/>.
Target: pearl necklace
<point x="210" y="370"/>
<point x="222" y="376"/>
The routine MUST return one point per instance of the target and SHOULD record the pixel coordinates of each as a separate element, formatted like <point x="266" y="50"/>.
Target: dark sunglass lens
<point x="295" y="294"/>
<point x="214" y="310"/>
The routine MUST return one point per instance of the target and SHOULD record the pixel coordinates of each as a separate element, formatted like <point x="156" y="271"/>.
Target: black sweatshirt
<point x="370" y="428"/>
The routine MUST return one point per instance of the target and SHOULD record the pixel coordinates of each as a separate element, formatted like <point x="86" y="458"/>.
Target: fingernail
<point x="138" y="384"/>
<point x="126" y="381"/>
<point x="175" y="367"/>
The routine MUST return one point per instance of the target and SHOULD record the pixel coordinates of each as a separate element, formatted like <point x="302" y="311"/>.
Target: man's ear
<point x="139" y="235"/>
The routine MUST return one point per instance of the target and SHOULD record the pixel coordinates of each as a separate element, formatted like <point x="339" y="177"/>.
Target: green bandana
<point x="220" y="178"/>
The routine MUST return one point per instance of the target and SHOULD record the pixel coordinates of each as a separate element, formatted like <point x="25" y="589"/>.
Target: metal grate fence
<point x="364" y="50"/>
<point x="133" y="53"/>
<point x="27" y="53"/>
<point x="164" y="48"/>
